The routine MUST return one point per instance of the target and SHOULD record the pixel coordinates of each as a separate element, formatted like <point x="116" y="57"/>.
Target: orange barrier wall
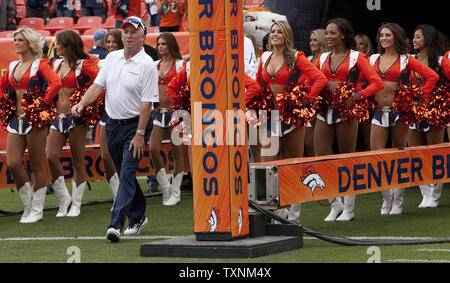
<point x="309" y="179"/>
<point x="8" y="52"/>
<point x="94" y="165"/>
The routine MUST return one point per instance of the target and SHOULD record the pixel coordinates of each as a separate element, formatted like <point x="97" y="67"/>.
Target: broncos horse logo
<point x="214" y="219"/>
<point x="312" y="179"/>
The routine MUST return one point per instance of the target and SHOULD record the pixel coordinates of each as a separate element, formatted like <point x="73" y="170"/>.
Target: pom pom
<point x="37" y="112"/>
<point x="264" y="100"/>
<point x="183" y="99"/>
<point x="437" y="111"/>
<point x="7" y="109"/>
<point x="295" y="108"/>
<point x="408" y="111"/>
<point x="92" y="113"/>
<point x="323" y="100"/>
<point x="360" y="109"/>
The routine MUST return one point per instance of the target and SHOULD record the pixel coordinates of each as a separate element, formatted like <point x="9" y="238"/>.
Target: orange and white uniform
<point x="38" y="78"/>
<point x="352" y="70"/>
<point x="400" y="71"/>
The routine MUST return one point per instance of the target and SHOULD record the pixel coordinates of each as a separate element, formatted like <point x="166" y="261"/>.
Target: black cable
<point x="343" y="240"/>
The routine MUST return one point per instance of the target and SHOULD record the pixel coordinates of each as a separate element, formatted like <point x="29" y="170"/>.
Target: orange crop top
<point x="177" y="66"/>
<point x="445" y="65"/>
<point x="44" y="71"/>
<point x="315" y="78"/>
<point x="406" y="63"/>
<point x="84" y="68"/>
<point x="354" y="62"/>
<point x="177" y="82"/>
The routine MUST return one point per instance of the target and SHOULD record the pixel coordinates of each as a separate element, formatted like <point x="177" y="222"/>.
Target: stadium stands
<point x="90" y="31"/>
<point x="6" y="34"/>
<point x="85" y="23"/>
<point x="110" y="23"/>
<point x="34" y="23"/>
<point x="59" y="23"/>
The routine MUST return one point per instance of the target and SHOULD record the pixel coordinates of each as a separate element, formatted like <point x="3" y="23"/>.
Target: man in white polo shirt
<point x="130" y="78"/>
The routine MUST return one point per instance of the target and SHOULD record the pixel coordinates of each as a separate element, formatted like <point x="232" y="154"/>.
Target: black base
<point x="189" y="247"/>
<point x="264" y="239"/>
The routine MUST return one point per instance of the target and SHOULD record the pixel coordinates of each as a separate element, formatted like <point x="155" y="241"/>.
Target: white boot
<point x="113" y="183"/>
<point x="348" y="212"/>
<point x="26" y="195"/>
<point x="163" y="182"/>
<point x="294" y="212"/>
<point x="37" y="206"/>
<point x="388" y="198"/>
<point x="336" y="208"/>
<point x="397" y="203"/>
<point x="63" y="196"/>
<point x="435" y="195"/>
<point x="176" y="191"/>
<point x="426" y="191"/>
<point x="77" y="196"/>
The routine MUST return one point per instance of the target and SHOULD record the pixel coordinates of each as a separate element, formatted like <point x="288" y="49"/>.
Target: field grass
<point x="39" y="242"/>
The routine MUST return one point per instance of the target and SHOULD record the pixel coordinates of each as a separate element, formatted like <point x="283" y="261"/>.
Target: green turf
<point x="178" y="221"/>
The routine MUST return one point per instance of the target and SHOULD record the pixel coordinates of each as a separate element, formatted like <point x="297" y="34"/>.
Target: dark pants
<point x="130" y="201"/>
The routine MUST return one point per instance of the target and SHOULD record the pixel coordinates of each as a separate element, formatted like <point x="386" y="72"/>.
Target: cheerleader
<point x="278" y="71"/>
<point x="113" y="43"/>
<point x="24" y="79"/>
<point x="426" y="45"/>
<point x="169" y="65"/>
<point x="342" y="64"/>
<point x="445" y="66"/>
<point x="364" y="45"/>
<point x="75" y="72"/>
<point x="394" y="65"/>
<point x="318" y="45"/>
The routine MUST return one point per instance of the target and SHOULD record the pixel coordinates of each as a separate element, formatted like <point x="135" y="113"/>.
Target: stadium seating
<point x="110" y="23"/>
<point x="43" y="32"/>
<point x="85" y="23"/>
<point x="153" y="29"/>
<point x="59" y="23"/>
<point x="7" y="34"/>
<point x="90" y="31"/>
<point x="34" y="23"/>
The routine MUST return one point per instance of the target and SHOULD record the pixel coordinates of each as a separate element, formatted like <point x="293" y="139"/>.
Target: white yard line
<point x="420" y="260"/>
<point x="434" y="250"/>
<point x="380" y="238"/>
<point x="171" y="237"/>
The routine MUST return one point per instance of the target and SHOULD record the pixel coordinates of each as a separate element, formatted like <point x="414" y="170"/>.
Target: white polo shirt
<point x="128" y="83"/>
